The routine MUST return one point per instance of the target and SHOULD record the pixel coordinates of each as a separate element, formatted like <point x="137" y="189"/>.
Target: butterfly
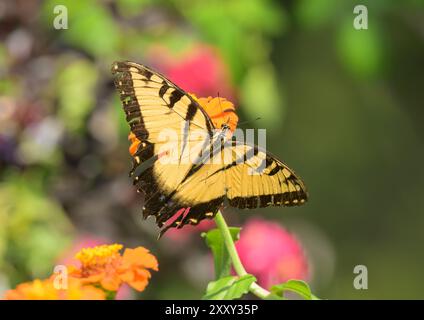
<point x="188" y="180"/>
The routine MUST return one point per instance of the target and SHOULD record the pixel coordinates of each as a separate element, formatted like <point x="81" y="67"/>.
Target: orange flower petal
<point x="138" y="279"/>
<point x="93" y="278"/>
<point x="220" y="110"/>
<point x="140" y="257"/>
<point x="45" y="290"/>
<point x="111" y="282"/>
<point x="104" y="265"/>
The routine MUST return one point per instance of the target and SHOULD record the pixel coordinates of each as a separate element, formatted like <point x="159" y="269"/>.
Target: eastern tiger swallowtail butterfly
<point x="184" y="192"/>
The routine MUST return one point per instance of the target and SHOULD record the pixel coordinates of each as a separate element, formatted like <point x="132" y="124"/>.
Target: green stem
<point x="256" y="289"/>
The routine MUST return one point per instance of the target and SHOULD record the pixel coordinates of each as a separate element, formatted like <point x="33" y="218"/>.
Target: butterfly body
<point x="188" y="181"/>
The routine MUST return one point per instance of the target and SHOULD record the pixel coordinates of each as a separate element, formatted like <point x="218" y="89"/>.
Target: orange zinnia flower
<point x="105" y="265"/>
<point x="220" y="110"/>
<point x="45" y="290"/>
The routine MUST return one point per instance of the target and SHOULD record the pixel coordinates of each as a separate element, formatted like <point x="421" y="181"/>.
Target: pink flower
<point x="82" y="241"/>
<point x="271" y="253"/>
<point x="200" y="70"/>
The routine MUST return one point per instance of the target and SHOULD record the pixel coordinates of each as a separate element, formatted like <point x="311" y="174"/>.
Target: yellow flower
<point x="105" y="265"/>
<point x="100" y="255"/>
<point x="100" y="266"/>
<point x="45" y="290"/>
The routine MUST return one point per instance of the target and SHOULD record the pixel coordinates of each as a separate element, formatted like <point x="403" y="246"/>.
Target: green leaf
<point x="91" y="26"/>
<point x="260" y="88"/>
<point x="229" y="288"/>
<point x="132" y="8"/>
<point x="273" y="296"/>
<point x="215" y="242"/>
<point x="318" y="13"/>
<point x="297" y="286"/>
<point x="363" y="52"/>
<point x="34" y="229"/>
<point x="75" y="87"/>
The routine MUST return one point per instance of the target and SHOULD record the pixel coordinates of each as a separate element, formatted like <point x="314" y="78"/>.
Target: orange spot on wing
<point x="135" y="142"/>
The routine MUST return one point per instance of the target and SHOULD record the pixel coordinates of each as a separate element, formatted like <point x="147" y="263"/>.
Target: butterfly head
<point x="225" y="127"/>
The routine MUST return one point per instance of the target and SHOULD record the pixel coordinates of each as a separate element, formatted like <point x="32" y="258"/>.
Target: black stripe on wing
<point x="124" y="83"/>
<point x="269" y="169"/>
<point x="157" y="202"/>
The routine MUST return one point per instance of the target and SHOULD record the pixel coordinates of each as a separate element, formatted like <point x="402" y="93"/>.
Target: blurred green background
<point x="343" y="107"/>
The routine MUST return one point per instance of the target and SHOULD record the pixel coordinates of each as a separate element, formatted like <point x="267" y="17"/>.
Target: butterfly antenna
<point x="247" y="121"/>
<point x="219" y="101"/>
